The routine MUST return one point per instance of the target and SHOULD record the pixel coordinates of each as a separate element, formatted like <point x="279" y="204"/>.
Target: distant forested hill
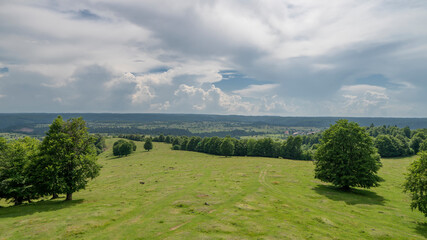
<point x="30" y="121"/>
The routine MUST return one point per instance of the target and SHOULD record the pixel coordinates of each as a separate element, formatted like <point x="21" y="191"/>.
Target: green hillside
<point x="165" y="194"/>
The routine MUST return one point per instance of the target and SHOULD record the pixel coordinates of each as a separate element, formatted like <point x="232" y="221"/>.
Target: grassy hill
<point x="188" y="195"/>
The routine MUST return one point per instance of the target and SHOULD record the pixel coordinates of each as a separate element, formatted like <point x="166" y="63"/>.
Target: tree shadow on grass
<point x="36" y="207"/>
<point x="350" y="197"/>
<point x="421" y="228"/>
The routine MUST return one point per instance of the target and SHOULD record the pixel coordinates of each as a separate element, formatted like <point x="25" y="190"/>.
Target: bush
<point x="176" y="147"/>
<point x="123" y="148"/>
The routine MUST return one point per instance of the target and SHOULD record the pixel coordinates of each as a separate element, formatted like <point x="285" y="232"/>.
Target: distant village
<point x="300" y="132"/>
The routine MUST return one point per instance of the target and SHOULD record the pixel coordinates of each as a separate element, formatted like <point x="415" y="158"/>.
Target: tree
<point x="123" y="147"/>
<point x="100" y="144"/>
<point x="15" y="159"/>
<point x="176" y="141"/>
<point x="227" y="147"/>
<point x="192" y="144"/>
<point x="423" y="145"/>
<point x="161" y="138"/>
<point x="346" y="157"/>
<point x="389" y="146"/>
<point x="241" y="147"/>
<point x="251" y="147"/>
<point x="264" y="148"/>
<point x="133" y="146"/>
<point x="148" y="145"/>
<point x="3" y="144"/>
<point x="416" y="183"/>
<point x="68" y="157"/>
<point x="184" y="143"/>
<point x="214" y="145"/>
<point x="291" y="148"/>
<point x="416" y="141"/>
<point x="46" y="167"/>
<point x="406" y="132"/>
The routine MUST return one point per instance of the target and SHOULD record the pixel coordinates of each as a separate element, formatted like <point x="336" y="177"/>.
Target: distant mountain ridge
<point x="21" y="120"/>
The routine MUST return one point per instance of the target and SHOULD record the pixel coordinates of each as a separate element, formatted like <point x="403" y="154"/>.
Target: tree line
<point x="292" y="148"/>
<point x="392" y="141"/>
<point x="62" y="163"/>
<point x="345" y="155"/>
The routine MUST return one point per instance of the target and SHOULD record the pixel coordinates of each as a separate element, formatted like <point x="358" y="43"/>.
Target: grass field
<point x="188" y="195"/>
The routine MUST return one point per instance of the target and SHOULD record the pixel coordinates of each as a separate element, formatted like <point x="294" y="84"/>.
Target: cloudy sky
<point x="265" y="57"/>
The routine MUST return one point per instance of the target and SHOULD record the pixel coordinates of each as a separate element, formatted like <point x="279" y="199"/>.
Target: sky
<point x="365" y="58"/>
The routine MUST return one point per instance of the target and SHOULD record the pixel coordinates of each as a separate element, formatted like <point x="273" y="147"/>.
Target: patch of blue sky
<point x="377" y="80"/>
<point x="234" y="80"/>
<point x="155" y="70"/>
<point x="160" y="69"/>
<point x="87" y="14"/>
<point x="4" y="70"/>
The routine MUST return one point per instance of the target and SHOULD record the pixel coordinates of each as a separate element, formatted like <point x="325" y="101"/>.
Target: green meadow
<point x="166" y="194"/>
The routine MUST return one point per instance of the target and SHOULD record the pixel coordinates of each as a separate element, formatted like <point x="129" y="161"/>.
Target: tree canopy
<point x="123" y="147"/>
<point x="227" y="147"/>
<point x="68" y="157"/>
<point x="291" y="148"/>
<point x="346" y="157"/>
<point x="15" y="159"/>
<point x="416" y="183"/>
<point x="148" y="145"/>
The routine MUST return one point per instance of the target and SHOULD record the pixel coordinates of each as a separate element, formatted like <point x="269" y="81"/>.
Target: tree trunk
<point x="18" y="201"/>
<point x="54" y="196"/>
<point x="69" y="197"/>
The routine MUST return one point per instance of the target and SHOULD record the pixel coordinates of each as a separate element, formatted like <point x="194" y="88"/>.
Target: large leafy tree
<point x="68" y="158"/>
<point x="346" y="157"/>
<point x="15" y="159"/>
<point x="416" y="183"/>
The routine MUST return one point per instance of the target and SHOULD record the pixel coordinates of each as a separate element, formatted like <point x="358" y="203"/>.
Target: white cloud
<point x="364" y="100"/>
<point x="257" y="90"/>
<point x="212" y="98"/>
<point x="320" y="66"/>
<point x="362" y="88"/>
<point x="143" y="94"/>
<point x="160" y="107"/>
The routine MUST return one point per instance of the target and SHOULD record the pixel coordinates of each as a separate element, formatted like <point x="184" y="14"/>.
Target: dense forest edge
<point x="390" y="141"/>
